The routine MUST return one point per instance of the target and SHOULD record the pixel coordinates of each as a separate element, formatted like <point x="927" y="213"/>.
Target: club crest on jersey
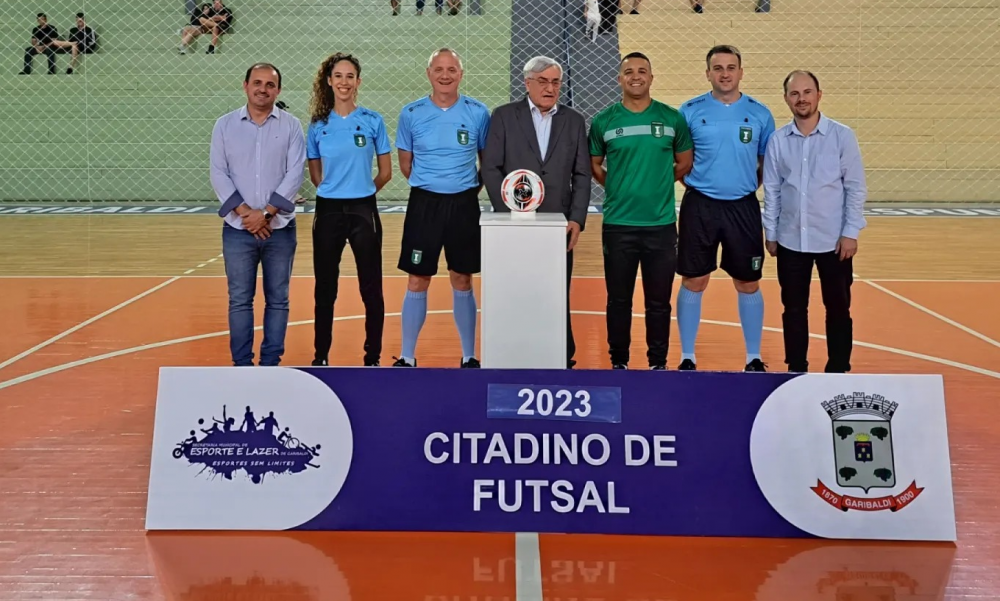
<point x="463" y="137"/>
<point x="657" y="129"/>
<point x="359" y="140"/>
<point x="746" y="134"/>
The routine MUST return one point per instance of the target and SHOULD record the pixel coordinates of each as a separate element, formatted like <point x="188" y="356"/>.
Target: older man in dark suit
<point x="538" y="134"/>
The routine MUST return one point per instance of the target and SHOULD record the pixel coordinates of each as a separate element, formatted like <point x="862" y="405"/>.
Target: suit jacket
<point x="512" y="144"/>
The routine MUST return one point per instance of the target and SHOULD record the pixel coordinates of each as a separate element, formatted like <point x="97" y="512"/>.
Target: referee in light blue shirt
<point x="814" y="196"/>
<point x="257" y="158"/>
<point x="343" y="141"/>
<point x="730" y="131"/>
<point x="440" y="138"/>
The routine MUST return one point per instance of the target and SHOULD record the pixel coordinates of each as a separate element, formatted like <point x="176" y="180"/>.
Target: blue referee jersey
<point x="347" y="146"/>
<point x="728" y="139"/>
<point x="445" y="143"/>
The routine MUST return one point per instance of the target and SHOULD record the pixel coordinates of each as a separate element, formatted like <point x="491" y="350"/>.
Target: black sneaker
<point x="756" y="365"/>
<point x="472" y="363"/>
<point x="320" y="363"/>
<point x="371" y="362"/>
<point x="402" y="363"/>
<point x="657" y="367"/>
<point x="698" y="9"/>
<point x="687" y="365"/>
<point x="619" y="366"/>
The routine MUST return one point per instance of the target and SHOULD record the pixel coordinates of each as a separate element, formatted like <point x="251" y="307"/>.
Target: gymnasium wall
<point x="132" y="124"/>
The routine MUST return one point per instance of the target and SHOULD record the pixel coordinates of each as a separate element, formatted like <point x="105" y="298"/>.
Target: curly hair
<point x="321" y="104"/>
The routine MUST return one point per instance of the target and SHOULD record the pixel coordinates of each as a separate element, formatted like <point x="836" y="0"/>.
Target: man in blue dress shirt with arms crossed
<point x="814" y="197"/>
<point x="258" y="157"/>
<point x="730" y="132"/>
<point x="439" y="139"/>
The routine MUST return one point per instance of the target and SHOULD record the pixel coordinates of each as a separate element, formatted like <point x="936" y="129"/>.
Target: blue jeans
<point x="242" y="253"/>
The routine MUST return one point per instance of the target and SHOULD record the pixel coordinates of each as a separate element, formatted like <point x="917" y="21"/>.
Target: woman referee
<point x="342" y="141"/>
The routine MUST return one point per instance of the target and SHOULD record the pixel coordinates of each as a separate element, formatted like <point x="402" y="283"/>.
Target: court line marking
<point x="187" y="276"/>
<point x="153" y="345"/>
<point x="527" y="558"/>
<point x="930" y="312"/>
<point x="89" y="321"/>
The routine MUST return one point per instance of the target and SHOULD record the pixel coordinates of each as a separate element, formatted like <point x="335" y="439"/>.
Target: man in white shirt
<point x="814" y="195"/>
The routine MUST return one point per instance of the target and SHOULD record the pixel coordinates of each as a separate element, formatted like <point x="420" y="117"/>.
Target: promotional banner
<point x="576" y="451"/>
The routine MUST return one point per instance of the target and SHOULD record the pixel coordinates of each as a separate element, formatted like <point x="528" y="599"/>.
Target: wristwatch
<point x="267" y="215"/>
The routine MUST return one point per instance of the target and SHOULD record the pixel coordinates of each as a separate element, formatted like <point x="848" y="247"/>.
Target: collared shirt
<point x="445" y="143"/>
<point x="814" y="187"/>
<point x="257" y="161"/>
<point x="543" y="125"/>
<point x="728" y="141"/>
<point x="347" y="146"/>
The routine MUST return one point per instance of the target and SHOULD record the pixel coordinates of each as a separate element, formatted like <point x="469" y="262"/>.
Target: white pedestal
<point x="523" y="291"/>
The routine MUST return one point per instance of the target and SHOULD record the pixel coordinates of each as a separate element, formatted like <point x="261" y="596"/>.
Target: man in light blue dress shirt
<point x="814" y="196"/>
<point x="258" y="157"/>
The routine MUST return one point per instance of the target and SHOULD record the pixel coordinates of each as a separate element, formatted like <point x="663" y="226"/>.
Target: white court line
<point x="527" y="558"/>
<point x="187" y="276"/>
<point x="87" y="322"/>
<point x="930" y="312"/>
<point x="153" y="345"/>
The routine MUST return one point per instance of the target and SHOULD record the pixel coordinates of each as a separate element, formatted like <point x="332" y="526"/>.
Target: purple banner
<point x="427" y="456"/>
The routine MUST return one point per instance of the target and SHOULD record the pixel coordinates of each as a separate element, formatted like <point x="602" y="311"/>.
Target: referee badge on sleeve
<point x="746" y="134"/>
<point x="359" y="140"/>
<point x="463" y="137"/>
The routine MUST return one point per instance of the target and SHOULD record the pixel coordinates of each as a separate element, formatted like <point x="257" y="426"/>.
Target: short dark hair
<point x="40" y="15"/>
<point x="635" y="55"/>
<point x="79" y="15"/>
<point x="246" y="78"/>
<point x="788" y="78"/>
<point x="723" y="49"/>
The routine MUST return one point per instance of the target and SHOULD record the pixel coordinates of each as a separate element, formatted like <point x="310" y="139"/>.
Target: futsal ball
<point x="522" y="191"/>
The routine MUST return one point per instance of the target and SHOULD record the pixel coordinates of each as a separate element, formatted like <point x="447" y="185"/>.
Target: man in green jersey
<point x="647" y="145"/>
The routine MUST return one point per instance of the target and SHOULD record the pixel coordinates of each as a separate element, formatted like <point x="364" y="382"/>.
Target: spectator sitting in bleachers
<point x="45" y="40"/>
<point x="215" y="18"/>
<point x="83" y="36"/>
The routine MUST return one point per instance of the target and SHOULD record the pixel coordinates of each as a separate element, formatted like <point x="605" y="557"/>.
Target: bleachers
<point x="914" y="78"/>
<point x="134" y="121"/>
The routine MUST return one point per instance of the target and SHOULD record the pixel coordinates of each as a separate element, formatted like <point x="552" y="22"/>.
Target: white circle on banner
<point x="522" y="191"/>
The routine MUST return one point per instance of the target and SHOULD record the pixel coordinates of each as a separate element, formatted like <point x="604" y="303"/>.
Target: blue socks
<point x="414" y="313"/>
<point x="688" y="319"/>
<point x="752" y="320"/>
<point x="464" y="308"/>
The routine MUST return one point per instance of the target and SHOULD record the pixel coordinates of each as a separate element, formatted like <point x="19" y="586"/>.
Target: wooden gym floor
<point x="94" y="305"/>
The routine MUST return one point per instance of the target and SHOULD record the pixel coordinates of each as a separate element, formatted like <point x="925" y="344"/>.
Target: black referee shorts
<point x="435" y="221"/>
<point x="706" y="223"/>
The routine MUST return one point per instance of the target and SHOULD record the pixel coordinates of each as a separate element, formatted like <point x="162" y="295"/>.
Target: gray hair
<point x="439" y="51"/>
<point x="539" y="64"/>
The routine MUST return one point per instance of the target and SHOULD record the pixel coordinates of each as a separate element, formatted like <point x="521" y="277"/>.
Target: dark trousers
<point x="570" y="342"/>
<point x="835" y="277"/>
<point x="626" y="250"/>
<point x="336" y="223"/>
<point x="30" y="52"/>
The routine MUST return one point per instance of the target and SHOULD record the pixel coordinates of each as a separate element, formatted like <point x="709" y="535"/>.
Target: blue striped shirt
<point x="257" y="161"/>
<point x="814" y="187"/>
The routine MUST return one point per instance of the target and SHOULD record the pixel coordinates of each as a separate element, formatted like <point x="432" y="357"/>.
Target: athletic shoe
<point x="755" y="365"/>
<point x="402" y="363"/>
<point x="319" y="363"/>
<point x="619" y="366"/>
<point x="657" y="367"/>
<point x="687" y="365"/>
<point x="472" y="363"/>
<point x="371" y="362"/>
